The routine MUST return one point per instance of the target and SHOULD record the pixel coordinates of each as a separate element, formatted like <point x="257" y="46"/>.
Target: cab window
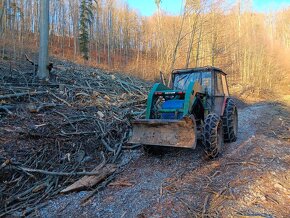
<point x="219" y="85"/>
<point x="181" y="81"/>
<point x="206" y="82"/>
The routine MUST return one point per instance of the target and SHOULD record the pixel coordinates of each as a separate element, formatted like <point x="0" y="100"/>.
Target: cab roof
<point x="197" y="69"/>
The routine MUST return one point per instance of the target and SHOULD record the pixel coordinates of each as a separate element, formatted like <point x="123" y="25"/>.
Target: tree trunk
<point x="43" y="72"/>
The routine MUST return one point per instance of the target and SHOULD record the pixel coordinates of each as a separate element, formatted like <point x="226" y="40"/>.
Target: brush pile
<point x="54" y="133"/>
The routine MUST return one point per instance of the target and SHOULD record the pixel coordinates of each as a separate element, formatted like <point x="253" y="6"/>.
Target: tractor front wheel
<point x="212" y="135"/>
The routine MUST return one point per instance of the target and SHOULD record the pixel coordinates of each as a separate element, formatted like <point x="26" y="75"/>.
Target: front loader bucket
<point x="172" y="133"/>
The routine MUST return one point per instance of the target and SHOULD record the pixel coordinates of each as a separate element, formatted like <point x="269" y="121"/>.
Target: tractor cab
<point x="212" y="80"/>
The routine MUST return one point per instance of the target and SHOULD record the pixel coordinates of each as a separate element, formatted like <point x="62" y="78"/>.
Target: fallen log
<point x="90" y="181"/>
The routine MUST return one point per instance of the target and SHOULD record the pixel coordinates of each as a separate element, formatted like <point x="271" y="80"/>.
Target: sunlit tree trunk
<point x="43" y="72"/>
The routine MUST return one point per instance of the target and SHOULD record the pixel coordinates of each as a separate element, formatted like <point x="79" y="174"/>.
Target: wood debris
<point x="54" y="133"/>
<point x="90" y="181"/>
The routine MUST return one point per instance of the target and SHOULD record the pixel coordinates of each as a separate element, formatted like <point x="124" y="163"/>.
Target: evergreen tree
<point x="86" y="16"/>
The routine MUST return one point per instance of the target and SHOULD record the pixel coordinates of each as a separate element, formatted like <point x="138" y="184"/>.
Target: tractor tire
<point x="230" y="121"/>
<point x="212" y="135"/>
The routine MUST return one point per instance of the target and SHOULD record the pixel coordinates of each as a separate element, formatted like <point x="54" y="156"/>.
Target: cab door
<point x="220" y="92"/>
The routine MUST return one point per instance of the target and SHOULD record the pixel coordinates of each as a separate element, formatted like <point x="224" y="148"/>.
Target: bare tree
<point x="2" y="10"/>
<point x="43" y="72"/>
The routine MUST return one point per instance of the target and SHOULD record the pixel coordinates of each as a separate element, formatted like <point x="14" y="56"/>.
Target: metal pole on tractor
<point x="43" y="72"/>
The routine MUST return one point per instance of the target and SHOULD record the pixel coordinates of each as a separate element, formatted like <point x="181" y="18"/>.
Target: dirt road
<point x="250" y="178"/>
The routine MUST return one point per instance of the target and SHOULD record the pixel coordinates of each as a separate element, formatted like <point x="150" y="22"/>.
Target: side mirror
<point x="206" y="91"/>
<point x="162" y="78"/>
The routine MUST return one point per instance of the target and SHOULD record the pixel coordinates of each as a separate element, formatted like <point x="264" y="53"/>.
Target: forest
<point x="253" y="48"/>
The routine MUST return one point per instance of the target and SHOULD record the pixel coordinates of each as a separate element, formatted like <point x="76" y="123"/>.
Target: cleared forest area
<point x="63" y="141"/>
<point x="76" y="126"/>
<point x="55" y="133"/>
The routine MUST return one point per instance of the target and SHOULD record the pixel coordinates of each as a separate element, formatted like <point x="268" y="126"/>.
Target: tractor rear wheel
<point x="230" y="121"/>
<point x="212" y="135"/>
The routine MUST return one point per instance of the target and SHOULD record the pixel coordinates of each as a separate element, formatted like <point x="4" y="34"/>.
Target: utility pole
<point x="43" y="72"/>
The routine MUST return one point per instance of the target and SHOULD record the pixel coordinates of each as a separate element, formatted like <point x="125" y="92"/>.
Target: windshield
<point x="181" y="81"/>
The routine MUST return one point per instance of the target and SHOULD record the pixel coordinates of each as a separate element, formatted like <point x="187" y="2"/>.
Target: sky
<point x="148" y="7"/>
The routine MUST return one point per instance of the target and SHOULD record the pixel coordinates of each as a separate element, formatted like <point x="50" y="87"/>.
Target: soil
<point x="251" y="178"/>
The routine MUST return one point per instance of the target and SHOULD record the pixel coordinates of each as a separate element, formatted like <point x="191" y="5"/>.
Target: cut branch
<point x="29" y="170"/>
<point x="17" y="95"/>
